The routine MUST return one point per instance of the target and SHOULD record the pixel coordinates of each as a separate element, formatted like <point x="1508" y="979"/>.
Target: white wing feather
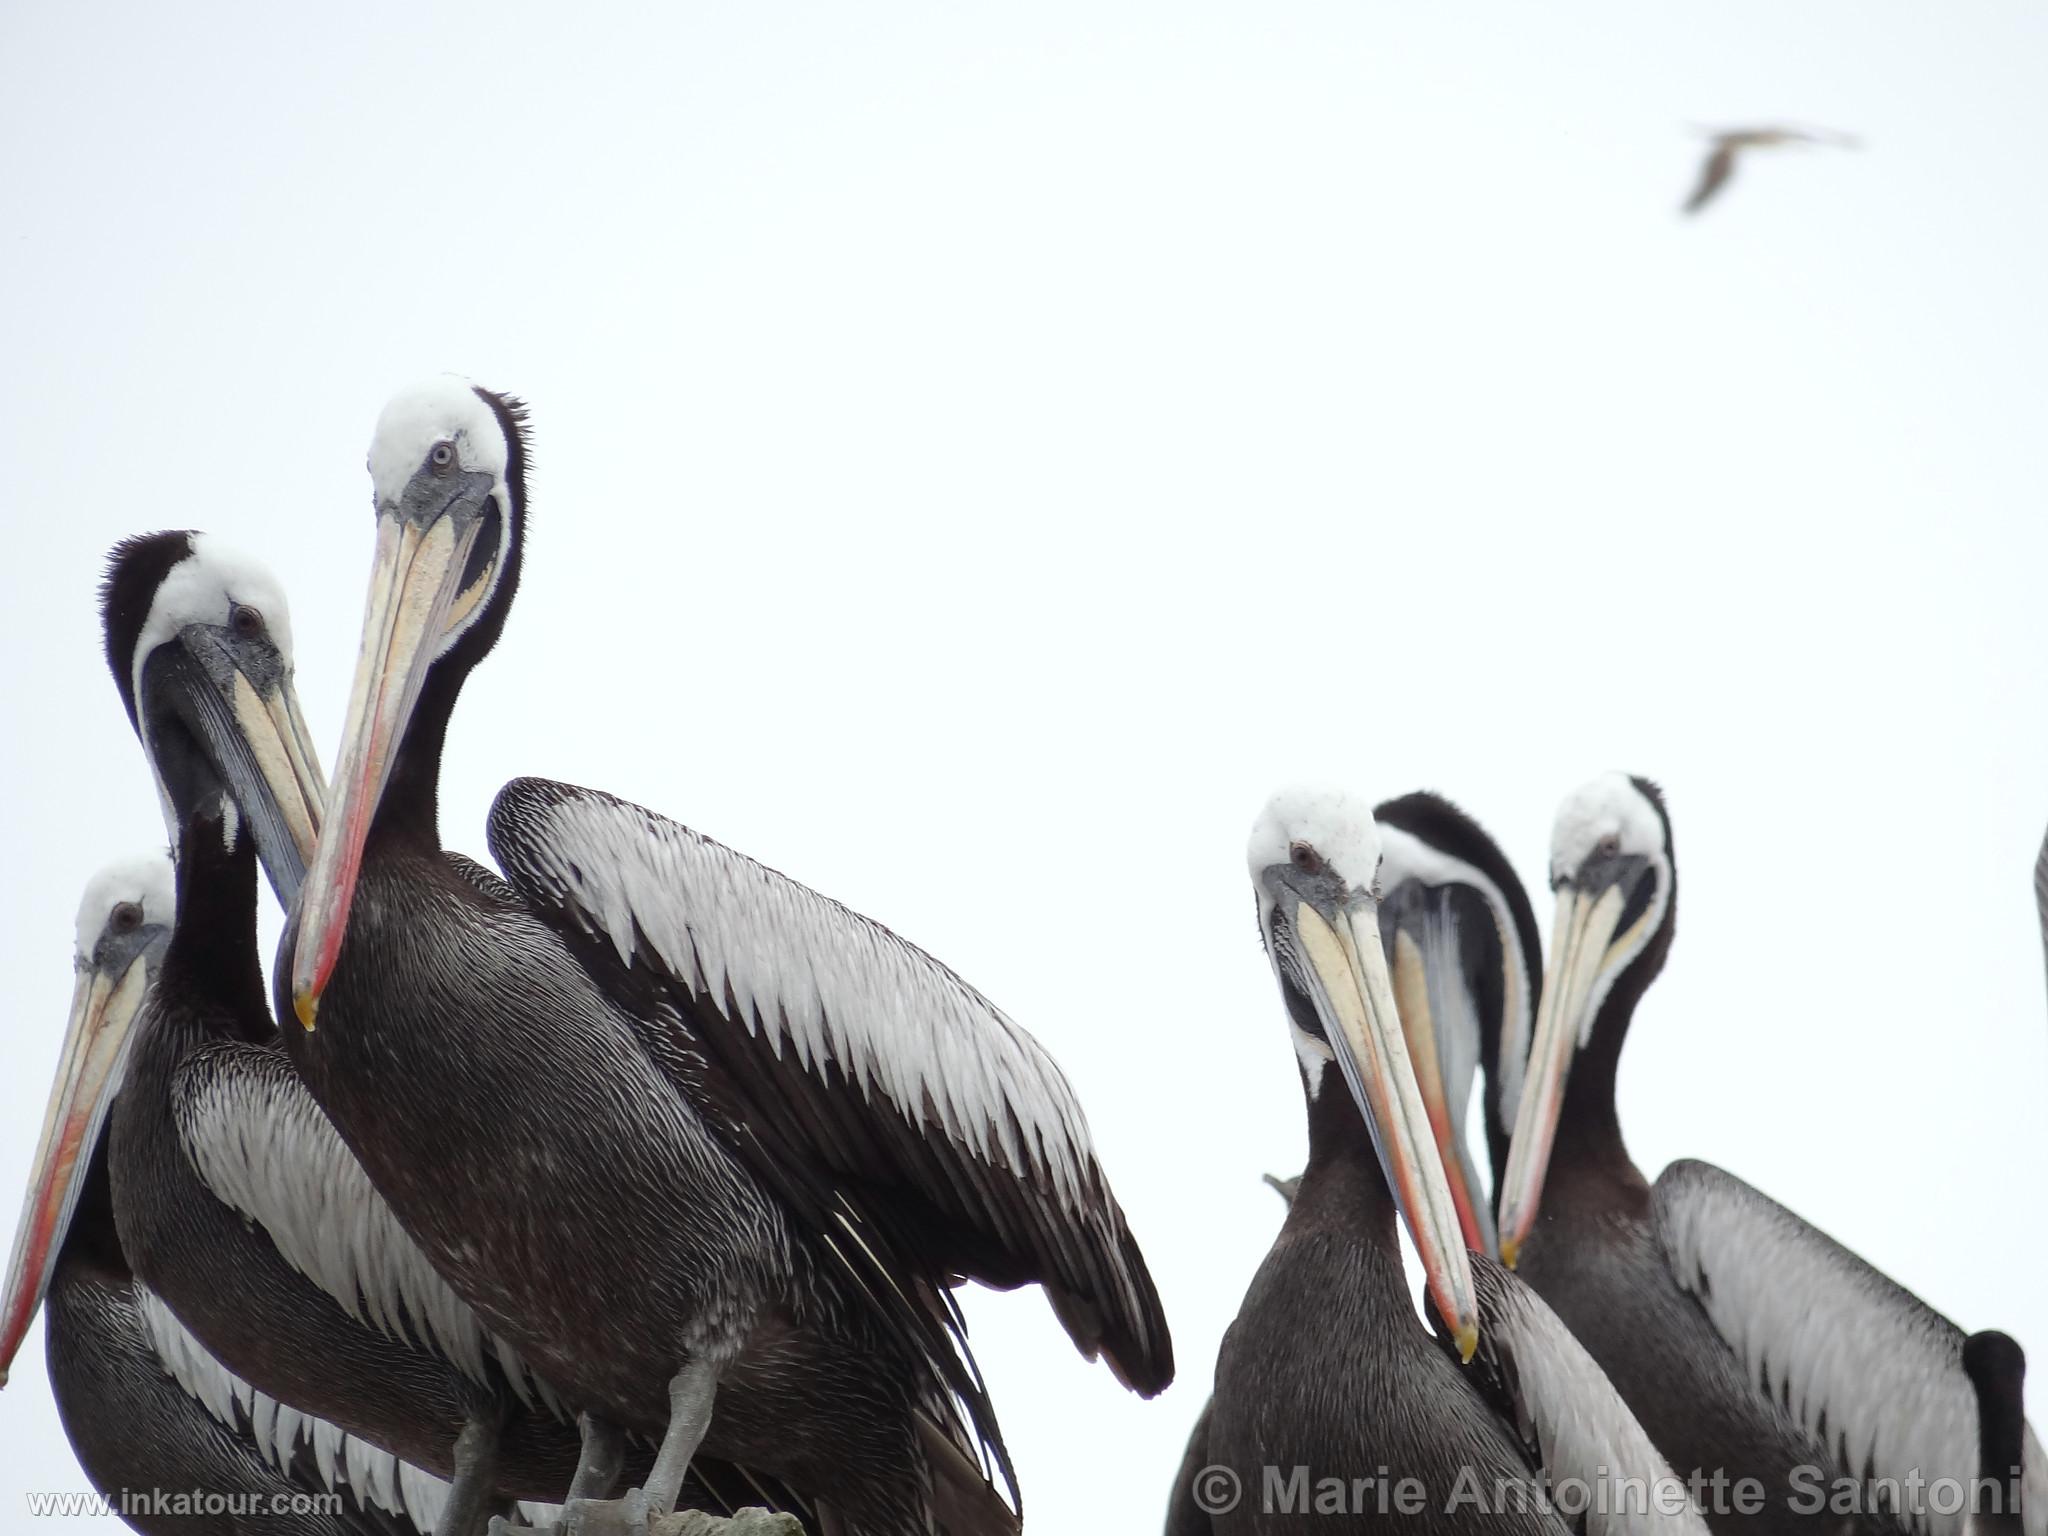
<point x="260" y="1143"/>
<point x="825" y="983"/>
<point x="376" y="1478"/>
<point x="1584" y="1433"/>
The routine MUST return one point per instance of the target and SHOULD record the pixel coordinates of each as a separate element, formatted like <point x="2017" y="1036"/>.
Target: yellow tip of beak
<point x="1510" y="1247"/>
<point x="1468" y="1341"/>
<point x="306" y="1006"/>
<point x="3" y="1378"/>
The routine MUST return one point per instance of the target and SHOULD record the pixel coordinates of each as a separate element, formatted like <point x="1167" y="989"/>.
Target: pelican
<point x="1327" y="1386"/>
<point x="724" y="1145"/>
<point x="1719" y="165"/>
<point x="235" y="1201"/>
<point x="1744" y="1339"/>
<point x="1464" y="957"/>
<point x="143" y="1403"/>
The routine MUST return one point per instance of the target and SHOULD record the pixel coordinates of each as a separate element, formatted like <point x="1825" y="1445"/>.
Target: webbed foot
<point x="630" y="1516"/>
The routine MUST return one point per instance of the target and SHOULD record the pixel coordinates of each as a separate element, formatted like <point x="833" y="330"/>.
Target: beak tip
<point x="1510" y="1250"/>
<point x="1468" y="1342"/>
<point x="306" y="1004"/>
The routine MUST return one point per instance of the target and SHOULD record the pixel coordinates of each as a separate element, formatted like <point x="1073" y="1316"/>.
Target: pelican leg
<point x="689" y="1415"/>
<point x="642" y="1510"/>
<point x="604" y="1456"/>
<point x="474" y="1487"/>
<point x="627" y="1516"/>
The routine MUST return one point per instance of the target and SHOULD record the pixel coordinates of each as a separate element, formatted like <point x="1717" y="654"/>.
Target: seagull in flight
<point x="1729" y="142"/>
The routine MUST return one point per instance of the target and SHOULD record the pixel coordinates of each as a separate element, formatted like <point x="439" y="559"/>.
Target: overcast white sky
<point x="983" y="448"/>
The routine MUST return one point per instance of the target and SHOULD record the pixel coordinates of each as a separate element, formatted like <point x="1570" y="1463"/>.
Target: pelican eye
<point x="126" y="917"/>
<point x="441" y="457"/>
<point x="245" y="621"/>
<point x="1304" y="857"/>
<point x="1608" y="846"/>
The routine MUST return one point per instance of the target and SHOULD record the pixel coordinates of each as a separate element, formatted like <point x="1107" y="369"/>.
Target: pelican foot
<point x="629" y="1516"/>
<point x="745" y="1522"/>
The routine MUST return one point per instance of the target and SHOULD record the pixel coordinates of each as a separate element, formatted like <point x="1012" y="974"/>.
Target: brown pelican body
<point x="204" y="1051"/>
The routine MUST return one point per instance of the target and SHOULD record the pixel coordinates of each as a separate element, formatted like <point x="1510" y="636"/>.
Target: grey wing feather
<point x="1570" y="1419"/>
<point x="1870" y="1370"/>
<point x="255" y="1137"/>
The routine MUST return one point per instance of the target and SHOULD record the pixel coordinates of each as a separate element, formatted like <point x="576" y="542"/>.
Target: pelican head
<point x="199" y="639"/>
<point x="447" y="473"/>
<point x="124" y="927"/>
<point x="1314" y="858"/>
<point x="1612" y="872"/>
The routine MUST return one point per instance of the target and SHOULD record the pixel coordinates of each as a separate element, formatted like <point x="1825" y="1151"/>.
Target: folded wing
<point x="255" y="1137"/>
<point x="1572" y="1423"/>
<point x="1870" y="1370"/>
<point x="875" y="1089"/>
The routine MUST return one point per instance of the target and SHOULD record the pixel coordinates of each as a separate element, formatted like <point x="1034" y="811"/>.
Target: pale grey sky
<point x="983" y="448"/>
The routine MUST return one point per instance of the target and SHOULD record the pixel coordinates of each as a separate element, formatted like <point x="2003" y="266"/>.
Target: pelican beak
<point x="273" y="772"/>
<point x="255" y="733"/>
<point x="290" y="767"/>
<point x="416" y="590"/>
<point x="1578" y="953"/>
<point x="1419" y="1022"/>
<point x="1352" y="995"/>
<point x="103" y="1007"/>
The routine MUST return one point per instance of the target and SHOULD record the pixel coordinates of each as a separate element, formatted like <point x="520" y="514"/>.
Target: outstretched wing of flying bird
<point x="259" y="1142"/>
<point x="1572" y="1423"/>
<point x="861" y="1078"/>
<point x="1870" y="1370"/>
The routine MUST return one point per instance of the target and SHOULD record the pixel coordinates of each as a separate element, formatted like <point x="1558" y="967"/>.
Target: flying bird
<point x="1719" y="165"/>
<point x="726" y="1145"/>
<point x="1745" y="1340"/>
